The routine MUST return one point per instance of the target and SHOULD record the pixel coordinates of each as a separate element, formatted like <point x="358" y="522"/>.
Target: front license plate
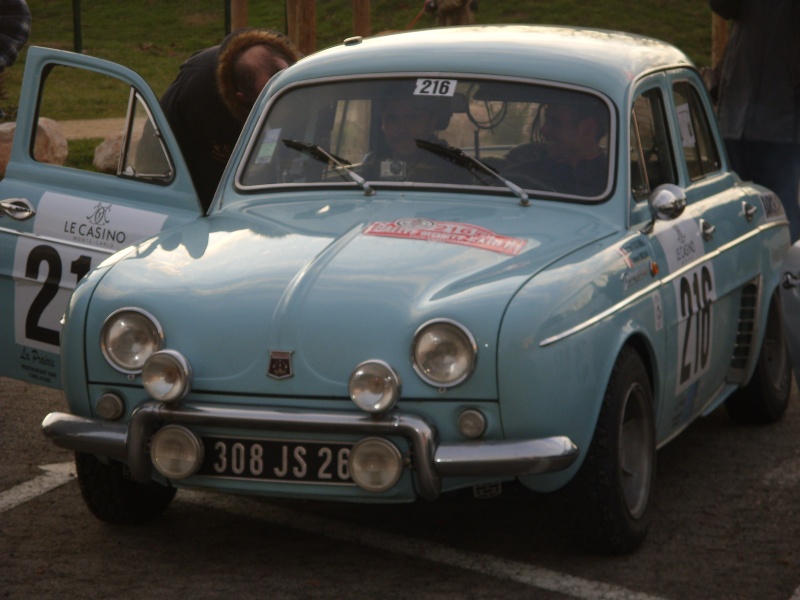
<point x="293" y="461"/>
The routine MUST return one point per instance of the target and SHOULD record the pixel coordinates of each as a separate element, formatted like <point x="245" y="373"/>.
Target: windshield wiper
<point x="461" y="158"/>
<point x="341" y="165"/>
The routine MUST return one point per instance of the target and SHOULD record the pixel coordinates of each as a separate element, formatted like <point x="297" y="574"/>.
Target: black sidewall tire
<point x="114" y="498"/>
<point x="765" y="398"/>
<point x="604" y="519"/>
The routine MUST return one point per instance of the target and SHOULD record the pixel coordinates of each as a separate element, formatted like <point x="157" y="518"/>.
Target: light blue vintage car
<point x="437" y="260"/>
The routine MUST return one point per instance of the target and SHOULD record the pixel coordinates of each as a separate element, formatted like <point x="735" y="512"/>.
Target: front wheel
<point x="114" y="498"/>
<point x="610" y="495"/>
<point x="765" y="398"/>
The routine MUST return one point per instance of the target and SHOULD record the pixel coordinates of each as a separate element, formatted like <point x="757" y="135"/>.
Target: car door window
<point x="651" y="158"/>
<point x="128" y="146"/>
<point x="699" y="149"/>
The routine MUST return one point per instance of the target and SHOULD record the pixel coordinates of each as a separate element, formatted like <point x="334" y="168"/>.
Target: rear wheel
<point x="765" y="398"/>
<point x="114" y="498"/>
<point x="610" y="495"/>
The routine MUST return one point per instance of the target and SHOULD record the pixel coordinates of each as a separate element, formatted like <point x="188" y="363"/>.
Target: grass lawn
<point x="154" y="36"/>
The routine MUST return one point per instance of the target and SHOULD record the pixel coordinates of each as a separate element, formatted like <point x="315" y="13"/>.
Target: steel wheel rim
<point x="635" y="451"/>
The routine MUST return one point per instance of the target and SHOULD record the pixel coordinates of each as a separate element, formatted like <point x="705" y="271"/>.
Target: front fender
<point x="555" y="356"/>
<point x="73" y="334"/>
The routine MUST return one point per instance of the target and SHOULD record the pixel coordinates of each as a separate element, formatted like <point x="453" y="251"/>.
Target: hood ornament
<point x="280" y="364"/>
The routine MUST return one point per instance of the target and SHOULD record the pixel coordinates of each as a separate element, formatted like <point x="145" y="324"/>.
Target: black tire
<point x="114" y="498"/>
<point x="765" y="398"/>
<point x="609" y="497"/>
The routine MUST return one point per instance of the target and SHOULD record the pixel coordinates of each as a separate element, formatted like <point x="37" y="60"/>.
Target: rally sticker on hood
<point x="462" y="234"/>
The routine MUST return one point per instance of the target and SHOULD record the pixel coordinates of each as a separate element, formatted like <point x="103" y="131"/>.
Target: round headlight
<point x="176" y="452"/>
<point x="167" y="376"/>
<point x="443" y="353"/>
<point x="375" y="464"/>
<point x="374" y="386"/>
<point x="128" y="338"/>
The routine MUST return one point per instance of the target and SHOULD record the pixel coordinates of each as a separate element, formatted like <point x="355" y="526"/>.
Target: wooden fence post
<point x="719" y="39"/>
<point x="302" y="24"/>
<point x="238" y="14"/>
<point x="362" y="24"/>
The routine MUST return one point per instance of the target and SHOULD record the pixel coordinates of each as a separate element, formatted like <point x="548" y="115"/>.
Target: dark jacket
<point x="15" y="24"/>
<point x="203" y="127"/>
<point x="759" y="93"/>
<point x="205" y="124"/>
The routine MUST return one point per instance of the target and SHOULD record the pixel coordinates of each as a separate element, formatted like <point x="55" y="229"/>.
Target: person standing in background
<point x="15" y="26"/>
<point x="759" y="96"/>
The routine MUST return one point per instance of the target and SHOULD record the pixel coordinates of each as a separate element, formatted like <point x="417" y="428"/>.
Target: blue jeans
<point x="774" y="165"/>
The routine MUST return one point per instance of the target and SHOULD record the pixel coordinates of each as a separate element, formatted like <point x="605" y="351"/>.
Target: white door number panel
<point x="695" y="295"/>
<point x="71" y="236"/>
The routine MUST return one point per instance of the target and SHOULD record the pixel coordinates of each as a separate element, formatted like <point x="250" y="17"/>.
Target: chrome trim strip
<point x="431" y="461"/>
<point x="79" y="433"/>
<point x="653" y="286"/>
<point x="473" y="459"/>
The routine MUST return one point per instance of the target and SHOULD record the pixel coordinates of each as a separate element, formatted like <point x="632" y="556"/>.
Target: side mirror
<point x="667" y="202"/>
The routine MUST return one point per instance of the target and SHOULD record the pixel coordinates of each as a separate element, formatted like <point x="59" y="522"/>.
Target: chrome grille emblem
<point x="280" y="364"/>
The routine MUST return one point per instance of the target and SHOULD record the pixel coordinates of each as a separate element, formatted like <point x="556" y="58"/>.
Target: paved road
<point x="726" y="525"/>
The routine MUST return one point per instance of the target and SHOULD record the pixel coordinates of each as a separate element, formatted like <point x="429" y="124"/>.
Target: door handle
<point x="18" y="209"/>
<point x="707" y="230"/>
<point x="749" y="211"/>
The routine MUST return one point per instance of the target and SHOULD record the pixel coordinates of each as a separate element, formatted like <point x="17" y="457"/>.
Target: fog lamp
<point x="110" y="407"/>
<point x="167" y="376"/>
<point x="471" y="423"/>
<point x="375" y="464"/>
<point x="176" y="452"/>
<point x="374" y="386"/>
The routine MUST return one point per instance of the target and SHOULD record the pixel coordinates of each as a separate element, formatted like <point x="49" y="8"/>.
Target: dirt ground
<point x="93" y="128"/>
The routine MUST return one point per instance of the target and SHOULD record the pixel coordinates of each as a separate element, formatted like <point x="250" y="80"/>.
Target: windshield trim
<point x="499" y="189"/>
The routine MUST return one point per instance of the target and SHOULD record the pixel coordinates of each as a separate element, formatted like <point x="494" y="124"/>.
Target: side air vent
<point x="746" y="332"/>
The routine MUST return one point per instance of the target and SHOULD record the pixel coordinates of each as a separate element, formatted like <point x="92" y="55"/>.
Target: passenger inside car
<point x="575" y="161"/>
<point x="404" y="121"/>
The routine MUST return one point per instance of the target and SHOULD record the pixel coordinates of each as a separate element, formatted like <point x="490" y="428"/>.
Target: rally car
<point x="444" y="259"/>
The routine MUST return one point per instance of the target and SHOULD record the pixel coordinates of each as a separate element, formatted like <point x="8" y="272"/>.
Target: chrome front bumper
<point x="431" y="461"/>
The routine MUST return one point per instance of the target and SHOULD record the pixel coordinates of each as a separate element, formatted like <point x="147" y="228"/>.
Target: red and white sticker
<point x="462" y="234"/>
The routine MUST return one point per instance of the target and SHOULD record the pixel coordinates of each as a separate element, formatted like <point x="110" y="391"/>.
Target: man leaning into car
<point x="207" y="103"/>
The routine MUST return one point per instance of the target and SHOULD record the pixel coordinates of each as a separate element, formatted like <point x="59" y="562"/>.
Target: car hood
<point x="336" y="283"/>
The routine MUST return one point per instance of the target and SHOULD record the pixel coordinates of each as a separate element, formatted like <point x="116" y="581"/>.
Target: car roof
<point x="607" y="61"/>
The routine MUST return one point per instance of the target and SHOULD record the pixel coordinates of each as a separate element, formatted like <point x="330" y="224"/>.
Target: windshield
<point x="423" y="131"/>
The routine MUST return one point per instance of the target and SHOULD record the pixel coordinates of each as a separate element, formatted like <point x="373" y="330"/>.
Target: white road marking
<point x="545" y="579"/>
<point x="56" y="475"/>
<point x="53" y="477"/>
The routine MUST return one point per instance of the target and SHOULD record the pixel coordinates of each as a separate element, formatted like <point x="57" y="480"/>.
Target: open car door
<point x="59" y="222"/>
